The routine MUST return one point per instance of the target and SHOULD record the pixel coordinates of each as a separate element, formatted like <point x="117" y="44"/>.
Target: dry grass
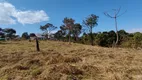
<point x="61" y="61"/>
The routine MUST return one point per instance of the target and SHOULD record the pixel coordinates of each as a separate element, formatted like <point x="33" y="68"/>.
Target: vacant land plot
<point x="61" y="61"/>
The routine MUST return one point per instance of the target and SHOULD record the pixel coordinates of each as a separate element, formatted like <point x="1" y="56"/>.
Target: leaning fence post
<point x="37" y="44"/>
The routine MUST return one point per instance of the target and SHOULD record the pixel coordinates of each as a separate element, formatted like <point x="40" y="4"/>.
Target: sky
<point x="28" y="15"/>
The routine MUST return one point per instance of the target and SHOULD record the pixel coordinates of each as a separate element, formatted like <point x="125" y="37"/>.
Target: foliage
<point x="25" y="35"/>
<point x="85" y="39"/>
<point x="107" y="39"/>
<point x="48" y="28"/>
<point x="9" y="32"/>
<point x="32" y="35"/>
<point x="90" y="22"/>
<point x="59" y="35"/>
<point x="76" y="31"/>
<point x="68" y="26"/>
<point x="137" y="39"/>
<point x="2" y="35"/>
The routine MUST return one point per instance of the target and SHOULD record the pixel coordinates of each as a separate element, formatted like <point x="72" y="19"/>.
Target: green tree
<point x="32" y="35"/>
<point x="85" y="38"/>
<point x="123" y="36"/>
<point x="105" y="39"/>
<point x="48" y="28"/>
<point x="68" y="25"/>
<point x="76" y="31"/>
<point x="137" y="39"/>
<point x="91" y="22"/>
<point x="9" y="32"/>
<point x="59" y="35"/>
<point x="64" y="30"/>
<point x="25" y="35"/>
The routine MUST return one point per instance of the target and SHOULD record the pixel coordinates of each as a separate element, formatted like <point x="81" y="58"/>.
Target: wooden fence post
<point x="37" y="44"/>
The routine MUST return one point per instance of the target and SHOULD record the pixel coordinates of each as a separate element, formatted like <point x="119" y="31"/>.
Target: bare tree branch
<point x="108" y="15"/>
<point x="116" y="15"/>
<point x="122" y="13"/>
<point x="118" y="11"/>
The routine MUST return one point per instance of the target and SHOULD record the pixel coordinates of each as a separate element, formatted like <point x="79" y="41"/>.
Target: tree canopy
<point x="90" y="22"/>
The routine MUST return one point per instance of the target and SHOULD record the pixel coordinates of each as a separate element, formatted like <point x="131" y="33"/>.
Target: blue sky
<point x="54" y="11"/>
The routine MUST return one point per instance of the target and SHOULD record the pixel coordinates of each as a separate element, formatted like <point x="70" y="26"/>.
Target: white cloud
<point x="9" y="15"/>
<point x="31" y="17"/>
<point x="6" y="11"/>
<point x="135" y="30"/>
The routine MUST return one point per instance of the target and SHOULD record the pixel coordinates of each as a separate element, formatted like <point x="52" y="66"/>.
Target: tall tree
<point x="69" y="23"/>
<point x="76" y="31"/>
<point x="9" y="32"/>
<point x="91" y="22"/>
<point x="48" y="28"/>
<point x="115" y="16"/>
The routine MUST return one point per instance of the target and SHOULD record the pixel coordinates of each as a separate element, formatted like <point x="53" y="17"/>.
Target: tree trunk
<point x="116" y="33"/>
<point x="75" y="38"/>
<point x="37" y="44"/>
<point x="69" y="37"/>
<point x="92" y="39"/>
<point x="47" y="34"/>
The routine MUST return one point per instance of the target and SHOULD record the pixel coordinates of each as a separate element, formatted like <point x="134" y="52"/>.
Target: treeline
<point x="8" y="33"/>
<point x="70" y="31"/>
<point x="75" y="32"/>
<point x="106" y="39"/>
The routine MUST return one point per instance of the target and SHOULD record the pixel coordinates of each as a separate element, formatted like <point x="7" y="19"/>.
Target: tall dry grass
<point x="61" y="61"/>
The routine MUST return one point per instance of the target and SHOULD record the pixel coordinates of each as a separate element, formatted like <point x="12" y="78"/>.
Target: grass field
<point x="61" y="61"/>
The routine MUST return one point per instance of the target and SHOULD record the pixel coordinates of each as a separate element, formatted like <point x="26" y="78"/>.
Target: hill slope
<point x="61" y="61"/>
